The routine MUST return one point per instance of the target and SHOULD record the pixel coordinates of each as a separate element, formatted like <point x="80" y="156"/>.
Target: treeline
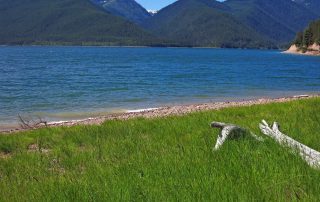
<point x="310" y="36"/>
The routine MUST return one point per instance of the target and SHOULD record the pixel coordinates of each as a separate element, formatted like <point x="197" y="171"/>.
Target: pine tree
<point x="299" y="39"/>
<point x="307" y="41"/>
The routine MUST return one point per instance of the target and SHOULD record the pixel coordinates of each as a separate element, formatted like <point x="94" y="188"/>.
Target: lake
<point x="62" y="83"/>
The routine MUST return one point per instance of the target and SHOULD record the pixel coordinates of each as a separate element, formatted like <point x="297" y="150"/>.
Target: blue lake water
<point x="75" y="82"/>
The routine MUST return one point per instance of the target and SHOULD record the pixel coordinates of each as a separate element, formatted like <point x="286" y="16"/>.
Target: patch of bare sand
<point x="36" y="148"/>
<point x="4" y="155"/>
<point x="313" y="50"/>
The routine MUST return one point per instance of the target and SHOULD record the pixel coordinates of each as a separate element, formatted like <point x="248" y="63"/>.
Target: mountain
<point x="152" y="12"/>
<point x="313" y="5"/>
<point x="203" y="23"/>
<point x="235" y="23"/>
<point x="65" y="21"/>
<point x="232" y="23"/>
<point x="128" y="9"/>
<point x="278" y="20"/>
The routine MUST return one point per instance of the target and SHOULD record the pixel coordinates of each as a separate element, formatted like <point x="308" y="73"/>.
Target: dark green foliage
<point x="204" y="23"/>
<point x="277" y="20"/>
<point x="299" y="39"/>
<point x="309" y="36"/>
<point x="315" y="30"/>
<point x="65" y="22"/>
<point x="231" y="24"/>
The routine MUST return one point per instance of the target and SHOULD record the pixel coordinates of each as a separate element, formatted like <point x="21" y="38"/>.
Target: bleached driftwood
<point x="311" y="156"/>
<point x="230" y="131"/>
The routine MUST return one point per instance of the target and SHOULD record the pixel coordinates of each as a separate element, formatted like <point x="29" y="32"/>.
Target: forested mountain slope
<point x="128" y="9"/>
<point x="65" y="21"/>
<point x="204" y="23"/>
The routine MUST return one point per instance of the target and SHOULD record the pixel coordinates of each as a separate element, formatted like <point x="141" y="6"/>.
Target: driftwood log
<point x="230" y="131"/>
<point x="311" y="156"/>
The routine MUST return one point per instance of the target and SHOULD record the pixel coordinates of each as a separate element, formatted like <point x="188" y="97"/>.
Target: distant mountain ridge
<point x="128" y="9"/>
<point x="209" y="23"/>
<point x="278" y="20"/>
<point x="233" y="23"/>
<point x="203" y="23"/>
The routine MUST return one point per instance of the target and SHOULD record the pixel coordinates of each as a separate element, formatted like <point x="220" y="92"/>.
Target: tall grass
<point x="164" y="159"/>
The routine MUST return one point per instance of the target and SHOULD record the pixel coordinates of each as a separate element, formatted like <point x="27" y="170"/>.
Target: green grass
<point x="165" y="159"/>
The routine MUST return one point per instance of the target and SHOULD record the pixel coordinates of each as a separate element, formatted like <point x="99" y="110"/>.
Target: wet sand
<point x="165" y="111"/>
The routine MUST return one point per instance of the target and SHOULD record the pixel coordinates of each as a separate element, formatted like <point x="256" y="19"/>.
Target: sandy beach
<point x="165" y="111"/>
<point x="312" y="50"/>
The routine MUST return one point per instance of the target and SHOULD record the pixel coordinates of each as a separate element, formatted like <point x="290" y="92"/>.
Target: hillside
<point x="203" y="23"/>
<point x="65" y="22"/>
<point x="209" y="23"/>
<point x="277" y="20"/>
<point x="128" y="9"/>
<point x="313" y="5"/>
<point x="233" y="23"/>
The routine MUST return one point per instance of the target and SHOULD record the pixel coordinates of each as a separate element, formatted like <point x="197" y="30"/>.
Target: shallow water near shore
<point x="63" y="83"/>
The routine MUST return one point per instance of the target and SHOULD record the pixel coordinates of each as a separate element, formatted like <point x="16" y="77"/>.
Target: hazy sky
<point x="155" y="4"/>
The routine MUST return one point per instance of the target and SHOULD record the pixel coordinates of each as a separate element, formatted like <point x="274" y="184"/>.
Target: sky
<point x="155" y="4"/>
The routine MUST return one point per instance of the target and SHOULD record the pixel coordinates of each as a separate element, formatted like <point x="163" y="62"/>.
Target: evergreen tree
<point x="309" y="36"/>
<point x="299" y="39"/>
<point x="307" y="41"/>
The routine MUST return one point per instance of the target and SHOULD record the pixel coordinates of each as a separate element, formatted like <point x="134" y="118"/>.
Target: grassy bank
<point x="165" y="159"/>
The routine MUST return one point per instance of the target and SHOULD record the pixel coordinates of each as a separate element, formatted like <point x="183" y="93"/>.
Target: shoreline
<point x="164" y="111"/>
<point x="128" y="46"/>
<point x="294" y="50"/>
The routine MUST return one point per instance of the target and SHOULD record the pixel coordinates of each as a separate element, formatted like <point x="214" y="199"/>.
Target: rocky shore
<point x="166" y="111"/>
<point x="311" y="50"/>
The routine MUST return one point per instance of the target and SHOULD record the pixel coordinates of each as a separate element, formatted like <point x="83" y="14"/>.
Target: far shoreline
<point x="165" y="111"/>
<point x="136" y="46"/>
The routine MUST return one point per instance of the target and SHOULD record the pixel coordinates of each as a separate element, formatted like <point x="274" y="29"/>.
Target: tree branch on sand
<point x="31" y="122"/>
